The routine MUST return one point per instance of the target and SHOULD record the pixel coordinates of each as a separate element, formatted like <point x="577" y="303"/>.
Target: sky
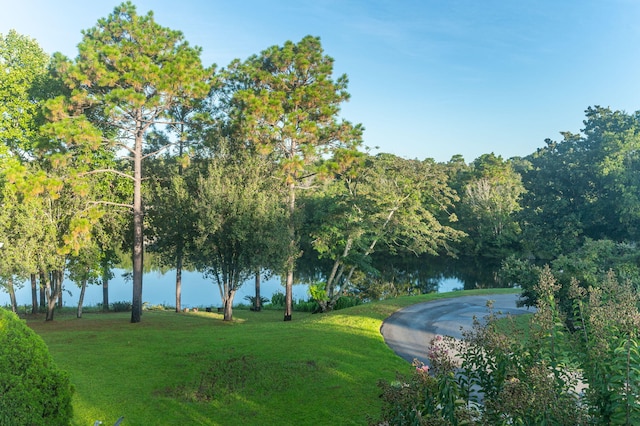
<point x="427" y="78"/>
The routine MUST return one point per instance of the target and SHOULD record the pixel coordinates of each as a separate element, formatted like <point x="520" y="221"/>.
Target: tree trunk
<point x="43" y="295"/>
<point x="257" y="304"/>
<point x="138" y="242"/>
<point x="291" y="261"/>
<point x="105" y="288"/>
<point x="334" y="276"/>
<point x="179" y="245"/>
<point x="12" y="295"/>
<point x="53" y="289"/>
<point x="179" y="278"/>
<point x="81" y="299"/>
<point x="34" y="294"/>
<point x="228" y="306"/>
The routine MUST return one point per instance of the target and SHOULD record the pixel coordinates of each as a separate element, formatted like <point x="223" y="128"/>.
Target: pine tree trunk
<point x="34" y="294"/>
<point x="138" y="242"/>
<point x="179" y="278"/>
<point x="288" y="301"/>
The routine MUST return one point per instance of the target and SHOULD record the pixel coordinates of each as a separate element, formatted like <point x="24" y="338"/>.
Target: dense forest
<point x="135" y="152"/>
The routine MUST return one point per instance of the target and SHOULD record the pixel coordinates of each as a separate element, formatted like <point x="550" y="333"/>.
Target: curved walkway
<point x="409" y="330"/>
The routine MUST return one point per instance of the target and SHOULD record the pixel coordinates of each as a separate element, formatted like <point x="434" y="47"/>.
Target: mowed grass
<point x="195" y="369"/>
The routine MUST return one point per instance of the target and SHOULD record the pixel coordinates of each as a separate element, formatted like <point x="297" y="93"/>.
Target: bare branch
<point x="117" y="172"/>
<point x="151" y="154"/>
<point x="111" y="203"/>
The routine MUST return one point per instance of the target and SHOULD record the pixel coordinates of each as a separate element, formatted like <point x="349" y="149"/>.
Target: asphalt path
<point x="408" y="331"/>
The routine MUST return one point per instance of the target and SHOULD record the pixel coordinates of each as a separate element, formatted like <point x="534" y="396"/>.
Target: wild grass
<point x="193" y="368"/>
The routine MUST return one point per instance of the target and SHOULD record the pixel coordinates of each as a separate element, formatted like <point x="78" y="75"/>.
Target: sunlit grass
<point x="258" y="370"/>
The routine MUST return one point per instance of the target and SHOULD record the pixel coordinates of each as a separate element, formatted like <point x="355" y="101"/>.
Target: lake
<point x="158" y="289"/>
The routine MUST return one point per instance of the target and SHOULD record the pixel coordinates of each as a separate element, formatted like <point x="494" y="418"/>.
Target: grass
<point x="196" y="369"/>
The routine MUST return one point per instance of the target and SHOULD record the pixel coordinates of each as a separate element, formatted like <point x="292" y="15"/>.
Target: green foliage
<point x="344" y="302"/>
<point x="121" y="306"/>
<point x="589" y="265"/>
<point x="33" y="390"/>
<point x="382" y="203"/>
<point x="490" y="190"/>
<point x="551" y="376"/>
<point x="318" y="292"/>
<point x="608" y="318"/>
<point x="306" y="306"/>
<point x="239" y="222"/>
<point x="278" y="299"/>
<point x="584" y="186"/>
<point x="252" y="300"/>
<point x="23" y="66"/>
<point x="130" y="75"/>
<point x="286" y="105"/>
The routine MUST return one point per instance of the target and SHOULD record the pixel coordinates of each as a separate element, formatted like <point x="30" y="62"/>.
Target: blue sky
<point x="428" y="78"/>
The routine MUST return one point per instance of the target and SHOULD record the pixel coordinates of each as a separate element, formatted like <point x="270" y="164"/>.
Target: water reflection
<point x="425" y="274"/>
<point x="159" y="289"/>
<point x="414" y="275"/>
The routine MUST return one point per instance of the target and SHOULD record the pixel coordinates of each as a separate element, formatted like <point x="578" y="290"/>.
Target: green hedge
<point x="33" y="390"/>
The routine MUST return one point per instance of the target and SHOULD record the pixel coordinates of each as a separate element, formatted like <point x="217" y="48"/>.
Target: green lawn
<point x="194" y="369"/>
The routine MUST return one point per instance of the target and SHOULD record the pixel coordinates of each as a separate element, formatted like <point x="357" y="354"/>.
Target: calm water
<point x="157" y="289"/>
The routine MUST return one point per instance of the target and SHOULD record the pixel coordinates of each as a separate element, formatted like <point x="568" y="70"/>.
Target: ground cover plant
<point x="196" y="369"/>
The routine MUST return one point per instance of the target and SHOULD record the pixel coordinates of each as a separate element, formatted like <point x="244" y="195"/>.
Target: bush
<point x="496" y="376"/>
<point x="33" y="391"/>
<point x="121" y="306"/>
<point x="347" y="302"/>
<point x="278" y="299"/>
<point x="306" y="306"/>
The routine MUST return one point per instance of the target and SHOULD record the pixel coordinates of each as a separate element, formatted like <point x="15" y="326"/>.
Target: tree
<point x="129" y="74"/>
<point x="23" y="66"/>
<point x="239" y="222"/>
<point x="489" y="203"/>
<point x="386" y="202"/>
<point x="287" y="105"/>
<point x="584" y="186"/>
<point x="24" y="70"/>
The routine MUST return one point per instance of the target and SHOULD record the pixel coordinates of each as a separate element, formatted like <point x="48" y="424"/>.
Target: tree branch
<point x="117" y="172"/>
<point x="111" y="203"/>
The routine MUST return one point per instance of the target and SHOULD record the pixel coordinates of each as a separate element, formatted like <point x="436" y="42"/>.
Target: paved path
<point x="409" y="330"/>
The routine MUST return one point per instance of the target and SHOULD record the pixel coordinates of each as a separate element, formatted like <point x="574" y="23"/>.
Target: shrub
<point x="306" y="306"/>
<point x="121" y="306"/>
<point x="347" y="302"/>
<point x="252" y="301"/>
<point x="33" y="391"/>
<point x="278" y="299"/>
<point x="494" y="376"/>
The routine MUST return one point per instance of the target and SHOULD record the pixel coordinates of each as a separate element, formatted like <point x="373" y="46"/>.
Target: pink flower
<point x="423" y="369"/>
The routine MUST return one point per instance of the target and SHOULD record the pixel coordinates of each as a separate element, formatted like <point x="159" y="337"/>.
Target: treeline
<point x="136" y="147"/>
